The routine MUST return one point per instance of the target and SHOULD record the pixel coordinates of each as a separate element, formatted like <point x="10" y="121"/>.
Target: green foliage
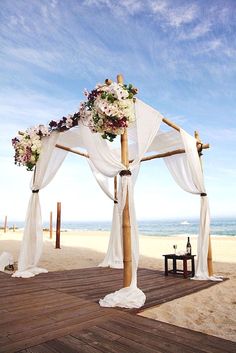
<point x="109" y="136"/>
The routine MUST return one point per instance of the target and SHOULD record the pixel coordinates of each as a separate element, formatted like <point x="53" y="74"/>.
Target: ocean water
<point x="219" y="227"/>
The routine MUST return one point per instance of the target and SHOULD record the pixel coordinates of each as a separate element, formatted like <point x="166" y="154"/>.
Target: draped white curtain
<point x="114" y="255"/>
<point x="48" y="164"/>
<point x="107" y="162"/>
<point x="5" y="259"/>
<point x="101" y="179"/>
<point x="187" y="172"/>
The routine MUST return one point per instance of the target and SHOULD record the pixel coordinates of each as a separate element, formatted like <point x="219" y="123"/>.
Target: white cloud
<point x="120" y="8"/>
<point x="229" y="51"/>
<point x="223" y="134"/>
<point x="159" y="6"/>
<point x="20" y="110"/>
<point x="211" y="47"/>
<point x="132" y="6"/>
<point x="199" y="30"/>
<point x="18" y="21"/>
<point x="42" y="58"/>
<point x="26" y="102"/>
<point x="174" y="16"/>
<point x="178" y="119"/>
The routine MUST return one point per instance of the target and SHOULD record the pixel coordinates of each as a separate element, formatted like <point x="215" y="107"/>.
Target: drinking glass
<point x="175" y="247"/>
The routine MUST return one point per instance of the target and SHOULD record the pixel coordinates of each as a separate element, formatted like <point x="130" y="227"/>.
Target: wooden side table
<point x="175" y="270"/>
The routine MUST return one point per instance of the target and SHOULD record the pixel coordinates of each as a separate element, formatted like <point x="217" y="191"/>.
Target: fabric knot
<point x="125" y="172"/>
<point x="200" y="147"/>
<point x="35" y="191"/>
<point x="203" y="194"/>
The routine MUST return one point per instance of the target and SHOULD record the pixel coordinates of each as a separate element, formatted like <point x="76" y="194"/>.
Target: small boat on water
<point x="185" y="222"/>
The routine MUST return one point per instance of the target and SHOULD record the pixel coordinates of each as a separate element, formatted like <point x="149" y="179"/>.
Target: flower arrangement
<point x="28" y="146"/>
<point x="109" y="109"/>
<point x="65" y="123"/>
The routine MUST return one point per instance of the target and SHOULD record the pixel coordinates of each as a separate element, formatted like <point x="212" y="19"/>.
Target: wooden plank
<point x="58" y="313"/>
<point x="69" y="344"/>
<point x="42" y="337"/>
<point x="177" y="334"/>
<point x="104" y="345"/>
<point x="159" y="343"/>
<point x="58" y="323"/>
<point x="38" y="349"/>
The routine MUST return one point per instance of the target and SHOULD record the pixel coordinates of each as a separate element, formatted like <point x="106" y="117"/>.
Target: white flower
<point x="69" y="122"/>
<point x="44" y="130"/>
<point x="36" y="146"/>
<point x="118" y="91"/>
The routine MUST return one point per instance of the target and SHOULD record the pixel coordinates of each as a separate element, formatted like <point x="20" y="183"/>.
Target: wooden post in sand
<point x="5" y="224"/>
<point x="58" y="226"/>
<point x="126" y="227"/>
<point x="50" y="225"/>
<point x="209" y="255"/>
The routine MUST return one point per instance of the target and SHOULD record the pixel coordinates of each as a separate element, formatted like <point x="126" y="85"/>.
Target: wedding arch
<point x="112" y="110"/>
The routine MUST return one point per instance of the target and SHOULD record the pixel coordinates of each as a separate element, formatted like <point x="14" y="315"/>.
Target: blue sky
<point x="181" y="56"/>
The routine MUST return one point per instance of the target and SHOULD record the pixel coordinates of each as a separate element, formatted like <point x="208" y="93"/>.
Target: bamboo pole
<point x="115" y="189"/>
<point x="5" y="224"/>
<point x="72" y="150"/>
<point x="171" y="153"/>
<point x="58" y="226"/>
<point x="209" y="258"/>
<point x="168" y="122"/>
<point x="126" y="227"/>
<point x="209" y="255"/>
<point x="50" y="225"/>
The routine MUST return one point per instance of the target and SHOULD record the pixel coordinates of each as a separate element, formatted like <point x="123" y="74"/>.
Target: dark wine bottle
<point x="188" y="247"/>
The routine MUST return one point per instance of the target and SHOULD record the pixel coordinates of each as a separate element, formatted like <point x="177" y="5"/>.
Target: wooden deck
<point x="58" y="312"/>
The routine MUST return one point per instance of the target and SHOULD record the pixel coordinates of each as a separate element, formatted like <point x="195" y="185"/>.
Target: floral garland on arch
<point x="108" y="110"/>
<point x="27" y="144"/>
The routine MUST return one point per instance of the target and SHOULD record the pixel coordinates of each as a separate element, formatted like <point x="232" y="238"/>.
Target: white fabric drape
<point x="147" y="125"/>
<point x="114" y="255"/>
<point x="48" y="164"/>
<point x="5" y="259"/>
<point x="101" y="179"/>
<point x="107" y="162"/>
<point x="187" y="171"/>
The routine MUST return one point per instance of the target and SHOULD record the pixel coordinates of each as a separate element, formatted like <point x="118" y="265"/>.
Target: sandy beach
<point x="211" y="311"/>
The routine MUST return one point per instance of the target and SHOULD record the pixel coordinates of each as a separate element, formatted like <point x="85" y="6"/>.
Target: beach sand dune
<point x="211" y="311"/>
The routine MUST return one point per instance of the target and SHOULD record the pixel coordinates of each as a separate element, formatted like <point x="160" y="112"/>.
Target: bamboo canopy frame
<point x="126" y="227"/>
<point x="200" y="146"/>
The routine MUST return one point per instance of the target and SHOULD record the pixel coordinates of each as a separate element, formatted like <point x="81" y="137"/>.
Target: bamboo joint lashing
<point x="125" y="172"/>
